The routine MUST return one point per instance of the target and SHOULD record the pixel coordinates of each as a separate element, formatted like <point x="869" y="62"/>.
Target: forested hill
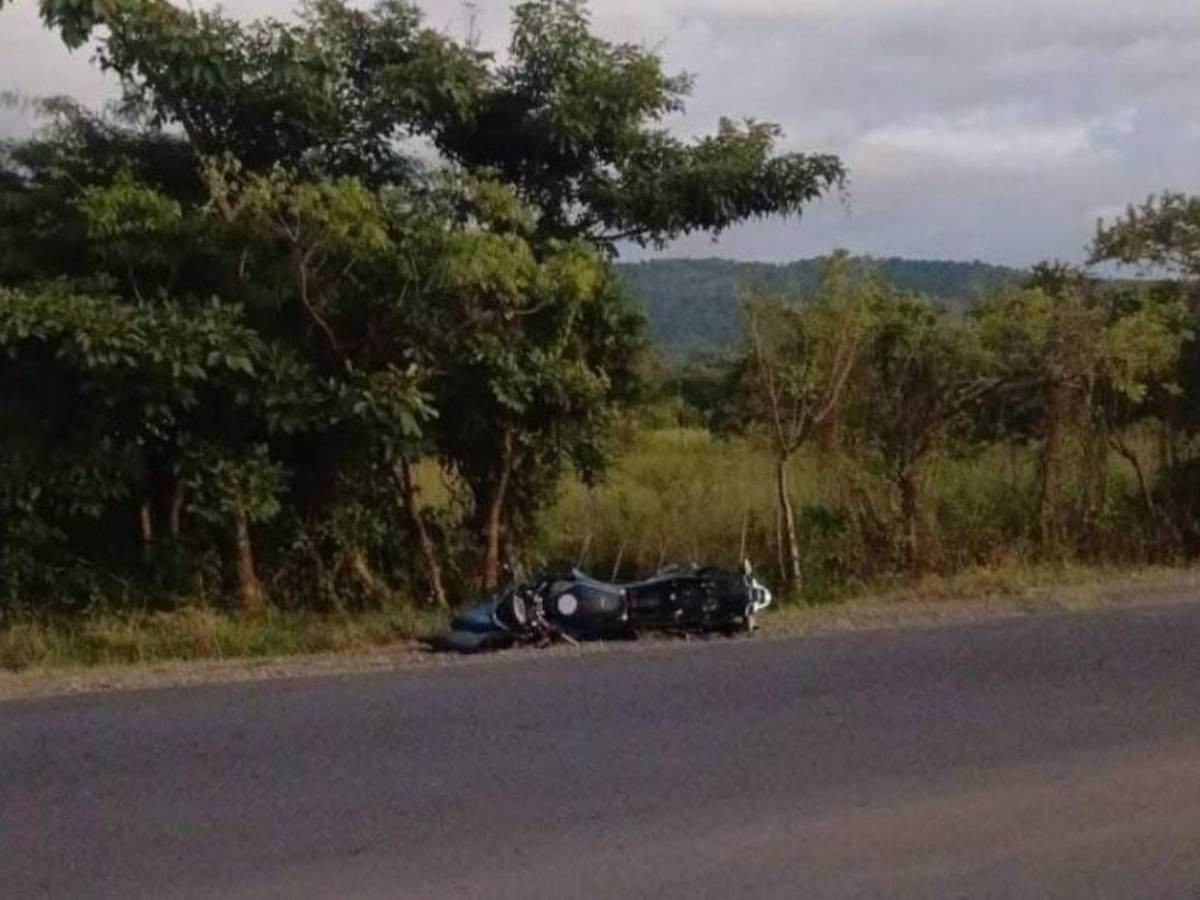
<point x="691" y="304"/>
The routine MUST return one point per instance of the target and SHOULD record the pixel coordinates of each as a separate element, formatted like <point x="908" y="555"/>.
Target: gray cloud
<point x="973" y="128"/>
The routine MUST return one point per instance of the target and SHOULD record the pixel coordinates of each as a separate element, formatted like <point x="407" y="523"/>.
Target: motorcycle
<point x="576" y="607"/>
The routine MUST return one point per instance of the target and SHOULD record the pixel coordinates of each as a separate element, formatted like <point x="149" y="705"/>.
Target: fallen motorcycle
<point x="577" y="607"/>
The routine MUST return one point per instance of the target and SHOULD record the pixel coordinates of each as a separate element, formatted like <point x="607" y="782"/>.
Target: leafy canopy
<point x="575" y="123"/>
<point x="1163" y="232"/>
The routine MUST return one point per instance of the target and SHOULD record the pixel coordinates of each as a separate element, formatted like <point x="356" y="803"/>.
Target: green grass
<point x="197" y="633"/>
<point x="677" y="495"/>
<point x="680" y="495"/>
<point x="205" y="634"/>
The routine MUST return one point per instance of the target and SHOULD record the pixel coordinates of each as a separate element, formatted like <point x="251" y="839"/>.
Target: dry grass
<point x="681" y="495"/>
<point x="678" y="495"/>
<point x="193" y="634"/>
<point x="198" y="633"/>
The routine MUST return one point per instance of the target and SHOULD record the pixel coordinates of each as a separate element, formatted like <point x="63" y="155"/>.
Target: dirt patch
<point x="899" y="609"/>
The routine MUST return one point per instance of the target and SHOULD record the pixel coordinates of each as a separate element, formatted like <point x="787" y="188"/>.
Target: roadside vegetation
<point x="272" y="381"/>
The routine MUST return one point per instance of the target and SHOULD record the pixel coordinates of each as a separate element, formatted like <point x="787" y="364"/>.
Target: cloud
<point x="1001" y="139"/>
<point x="982" y="141"/>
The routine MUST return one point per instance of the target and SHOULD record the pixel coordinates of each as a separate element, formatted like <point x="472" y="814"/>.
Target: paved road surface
<point x="1051" y="757"/>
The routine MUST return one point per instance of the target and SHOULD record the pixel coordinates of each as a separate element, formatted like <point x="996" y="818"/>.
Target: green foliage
<point x="1043" y="424"/>
<point x="680" y="495"/>
<point x="803" y="352"/>
<point x="1162" y="233"/>
<point x="125" y="395"/>
<point x="800" y="360"/>
<point x="573" y="122"/>
<point x="128" y="214"/>
<point x="922" y="374"/>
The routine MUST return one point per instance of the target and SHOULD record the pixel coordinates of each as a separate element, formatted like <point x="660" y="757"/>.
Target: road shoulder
<point x="905" y="608"/>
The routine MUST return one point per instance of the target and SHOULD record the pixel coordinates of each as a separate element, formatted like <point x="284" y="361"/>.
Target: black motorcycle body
<point x="578" y="607"/>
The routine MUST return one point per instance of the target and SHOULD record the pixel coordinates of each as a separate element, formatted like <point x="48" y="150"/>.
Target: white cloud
<point x="996" y="139"/>
<point x="983" y="141"/>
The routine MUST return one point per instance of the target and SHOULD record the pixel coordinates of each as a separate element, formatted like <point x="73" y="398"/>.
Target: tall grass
<point x="676" y="496"/>
<point x="195" y="633"/>
<point x="682" y="495"/>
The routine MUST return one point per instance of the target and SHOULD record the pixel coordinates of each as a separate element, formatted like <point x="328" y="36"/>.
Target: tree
<point x="333" y="94"/>
<point x="800" y="358"/>
<point x="1074" y="355"/>
<point x="574" y="122"/>
<point x="134" y="385"/>
<point x="1144" y="342"/>
<point x="922" y="375"/>
<point x="1162" y="233"/>
<point x="44" y="219"/>
<point x="1161" y="238"/>
<point x="531" y="355"/>
<point x="297" y="258"/>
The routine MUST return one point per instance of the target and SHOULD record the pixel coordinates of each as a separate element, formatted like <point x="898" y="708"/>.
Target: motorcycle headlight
<point x="761" y="596"/>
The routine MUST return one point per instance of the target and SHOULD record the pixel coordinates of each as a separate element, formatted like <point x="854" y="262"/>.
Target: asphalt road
<point x="1048" y="757"/>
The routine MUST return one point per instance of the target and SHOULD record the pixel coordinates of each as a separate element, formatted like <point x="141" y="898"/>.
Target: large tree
<point x="483" y="287"/>
<point x="923" y="374"/>
<point x="577" y="123"/>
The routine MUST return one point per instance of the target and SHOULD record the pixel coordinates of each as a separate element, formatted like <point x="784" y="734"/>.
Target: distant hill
<point x="691" y="304"/>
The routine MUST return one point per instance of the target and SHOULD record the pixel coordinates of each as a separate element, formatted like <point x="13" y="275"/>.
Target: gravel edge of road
<point x="1157" y="588"/>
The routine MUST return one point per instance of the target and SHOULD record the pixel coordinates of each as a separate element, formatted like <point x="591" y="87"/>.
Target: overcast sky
<point x="973" y="129"/>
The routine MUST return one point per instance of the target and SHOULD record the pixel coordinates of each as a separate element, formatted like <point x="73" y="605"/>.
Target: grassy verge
<point x="195" y="634"/>
<point x="986" y="593"/>
<point x="198" y="634"/>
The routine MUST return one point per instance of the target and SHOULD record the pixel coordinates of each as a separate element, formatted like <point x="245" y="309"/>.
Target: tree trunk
<point x="420" y="528"/>
<point x="910" y="513"/>
<point x="616" y="569"/>
<point x="780" y="542"/>
<point x="146" y="529"/>
<point x="250" y="594"/>
<point x="1049" y="499"/>
<point x="788" y="536"/>
<point x="361" y="568"/>
<point x="1095" y="473"/>
<point x="175" y="515"/>
<point x="1153" y="514"/>
<point x="1143" y="483"/>
<point x="494" y="522"/>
